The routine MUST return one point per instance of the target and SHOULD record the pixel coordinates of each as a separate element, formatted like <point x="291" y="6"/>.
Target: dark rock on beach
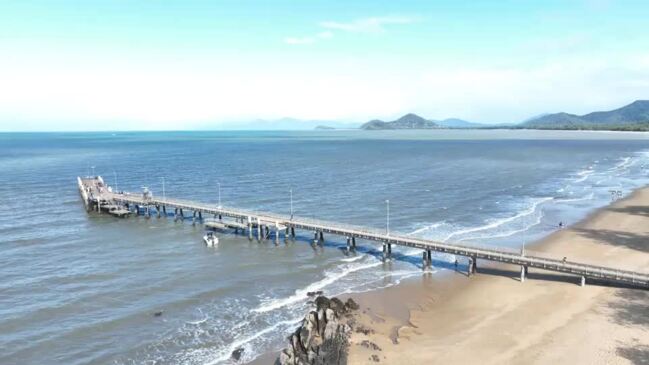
<point x="370" y="345"/>
<point x="236" y="354"/>
<point x="364" y="330"/>
<point x="323" y="336"/>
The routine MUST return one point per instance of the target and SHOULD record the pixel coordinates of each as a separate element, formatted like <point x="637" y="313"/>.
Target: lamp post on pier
<point x="164" y="195"/>
<point x="291" y="194"/>
<point x="387" y="225"/>
<point x="219" y="187"/>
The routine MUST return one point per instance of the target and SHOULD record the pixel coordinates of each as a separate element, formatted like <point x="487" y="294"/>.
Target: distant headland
<point x="632" y="117"/>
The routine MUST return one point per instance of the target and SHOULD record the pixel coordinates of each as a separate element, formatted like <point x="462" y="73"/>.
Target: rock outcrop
<point x="323" y="336"/>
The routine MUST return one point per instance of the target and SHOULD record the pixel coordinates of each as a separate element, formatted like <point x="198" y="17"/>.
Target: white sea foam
<point x="584" y="174"/>
<point x="301" y="294"/>
<point x="509" y="233"/>
<point x="427" y="228"/>
<point x="624" y="163"/>
<point x="590" y="196"/>
<point x="225" y="354"/>
<point x="499" y="222"/>
<point x="352" y="259"/>
<point x="205" y="318"/>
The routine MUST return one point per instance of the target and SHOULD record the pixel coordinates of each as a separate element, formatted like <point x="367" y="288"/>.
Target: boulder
<point x="236" y="354"/>
<point x="323" y="336"/>
<point x="351" y="305"/>
<point x="322" y="302"/>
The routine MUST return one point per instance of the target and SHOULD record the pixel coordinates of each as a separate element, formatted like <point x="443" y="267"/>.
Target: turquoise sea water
<point x="81" y="289"/>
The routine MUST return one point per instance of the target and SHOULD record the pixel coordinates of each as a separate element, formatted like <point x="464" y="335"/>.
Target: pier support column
<point x="276" y="234"/>
<point x="429" y="257"/>
<point x="200" y="216"/>
<point x="349" y="244"/>
<point x="137" y="209"/>
<point x="523" y="274"/>
<point x="469" y="269"/>
<point x="474" y="266"/>
<point x="385" y="251"/>
<point x="354" y="243"/>
<point x="193" y="218"/>
<point x="250" y="228"/>
<point x="293" y="233"/>
<point x="583" y="281"/>
<point x="147" y="212"/>
<point x="315" y="238"/>
<point x="258" y="230"/>
<point x="287" y="234"/>
<point x="157" y="209"/>
<point x="424" y="260"/>
<point x="321" y="237"/>
<point x="182" y="215"/>
<point x="164" y="210"/>
<point x="175" y="214"/>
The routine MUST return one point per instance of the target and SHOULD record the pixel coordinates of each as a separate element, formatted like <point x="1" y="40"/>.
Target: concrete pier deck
<point x="95" y="192"/>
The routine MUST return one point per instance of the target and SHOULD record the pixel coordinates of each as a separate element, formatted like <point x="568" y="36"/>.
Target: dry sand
<point x="493" y="318"/>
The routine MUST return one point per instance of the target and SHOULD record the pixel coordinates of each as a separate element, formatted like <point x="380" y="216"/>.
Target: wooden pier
<point x="260" y="225"/>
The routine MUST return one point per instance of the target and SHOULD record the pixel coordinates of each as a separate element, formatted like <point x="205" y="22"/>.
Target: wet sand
<point x="493" y="318"/>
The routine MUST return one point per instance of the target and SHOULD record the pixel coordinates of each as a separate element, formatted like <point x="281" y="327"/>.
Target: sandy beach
<point x="494" y="318"/>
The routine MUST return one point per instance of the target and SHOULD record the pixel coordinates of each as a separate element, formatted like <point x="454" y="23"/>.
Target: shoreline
<point x="437" y="319"/>
<point x="392" y="312"/>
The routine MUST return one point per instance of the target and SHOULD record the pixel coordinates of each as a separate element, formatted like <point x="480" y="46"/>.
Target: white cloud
<point x="367" y="25"/>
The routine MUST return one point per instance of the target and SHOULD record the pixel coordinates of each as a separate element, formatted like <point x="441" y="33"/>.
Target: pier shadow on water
<point x="375" y="250"/>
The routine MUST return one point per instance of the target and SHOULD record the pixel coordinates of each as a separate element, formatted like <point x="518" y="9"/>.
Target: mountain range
<point x="414" y="121"/>
<point x="636" y="113"/>
<point x="634" y="116"/>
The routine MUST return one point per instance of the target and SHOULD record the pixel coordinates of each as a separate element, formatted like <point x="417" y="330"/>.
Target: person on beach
<point x="456" y="264"/>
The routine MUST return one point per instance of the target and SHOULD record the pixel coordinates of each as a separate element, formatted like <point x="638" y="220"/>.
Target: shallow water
<point x="82" y="289"/>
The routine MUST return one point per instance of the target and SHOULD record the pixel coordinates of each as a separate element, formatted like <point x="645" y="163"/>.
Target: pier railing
<point x="516" y="256"/>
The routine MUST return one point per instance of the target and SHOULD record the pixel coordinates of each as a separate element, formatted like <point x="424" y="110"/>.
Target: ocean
<point x="79" y="288"/>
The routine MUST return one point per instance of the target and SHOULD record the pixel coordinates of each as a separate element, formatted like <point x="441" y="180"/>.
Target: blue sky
<point x="80" y="65"/>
